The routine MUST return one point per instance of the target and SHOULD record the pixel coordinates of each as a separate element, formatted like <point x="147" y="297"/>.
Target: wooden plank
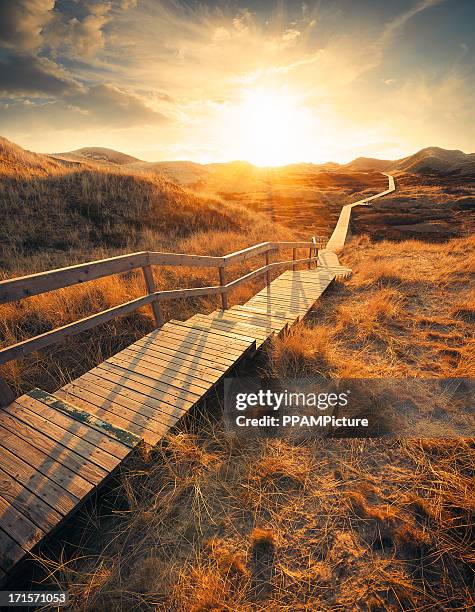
<point x="176" y="363"/>
<point x="28" y="503"/>
<point x="19" y="527"/>
<point x="41" y="462"/>
<point x="248" y="253"/>
<point x="182" y="259"/>
<point x="135" y="415"/>
<point x="305" y="285"/>
<point x="198" y="324"/>
<point x="125" y="408"/>
<point x="176" y="345"/>
<point x="272" y="312"/>
<point x="64" y="438"/>
<point x="229" y="327"/>
<point x="289" y="305"/>
<point x="178" y="329"/>
<point x="120" y="435"/>
<point x="191" y="393"/>
<point x="113" y="389"/>
<point x="283" y="298"/>
<point x="185" y="382"/>
<point x="42" y="486"/>
<point x="133" y="384"/>
<point x="248" y="320"/>
<point x="183" y="373"/>
<point x="53" y="419"/>
<point x="43" y="282"/>
<point x="10" y="552"/>
<point x="291" y="317"/>
<point x="56" y="450"/>
<point x="255" y="318"/>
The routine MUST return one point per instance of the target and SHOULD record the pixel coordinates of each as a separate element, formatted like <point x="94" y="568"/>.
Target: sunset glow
<point x="271" y="83"/>
<point x="273" y="128"/>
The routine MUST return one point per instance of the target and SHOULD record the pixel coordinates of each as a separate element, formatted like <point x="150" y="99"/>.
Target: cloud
<point x="392" y="27"/>
<point x="111" y="105"/>
<point x="22" y="22"/>
<point x="100" y="106"/>
<point x="79" y="36"/>
<point x="24" y="74"/>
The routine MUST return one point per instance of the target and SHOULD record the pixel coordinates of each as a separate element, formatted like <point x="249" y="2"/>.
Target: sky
<point x="267" y="82"/>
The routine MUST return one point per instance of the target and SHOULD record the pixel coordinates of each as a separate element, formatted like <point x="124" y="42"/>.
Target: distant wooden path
<point x="56" y="449"/>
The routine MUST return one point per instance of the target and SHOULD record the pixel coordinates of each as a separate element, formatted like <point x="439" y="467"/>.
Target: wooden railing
<point x="35" y="284"/>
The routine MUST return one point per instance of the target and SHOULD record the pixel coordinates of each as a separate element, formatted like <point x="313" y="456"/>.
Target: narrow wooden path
<point x="56" y="449"/>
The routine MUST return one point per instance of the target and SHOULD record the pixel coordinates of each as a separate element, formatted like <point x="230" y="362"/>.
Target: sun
<point x="273" y="128"/>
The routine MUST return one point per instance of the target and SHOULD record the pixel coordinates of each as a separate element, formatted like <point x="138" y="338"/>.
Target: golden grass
<point x="209" y="521"/>
<point x="219" y="522"/>
<point x="59" y="214"/>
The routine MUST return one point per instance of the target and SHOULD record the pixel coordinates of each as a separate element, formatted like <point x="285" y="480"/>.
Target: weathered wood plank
<point x="165" y="373"/>
<point x="177" y="407"/>
<point x="122" y="409"/>
<point x="10" y="552"/>
<point x="43" y="282"/>
<point x="171" y="391"/>
<point x="52" y="469"/>
<point x="120" y="435"/>
<point x="229" y="329"/>
<point x="53" y="494"/>
<point x="61" y="424"/>
<point x="250" y="321"/>
<point x="275" y="313"/>
<point x="266" y="321"/>
<point x="185" y="382"/>
<point x="178" y="344"/>
<point x="174" y="363"/>
<point x="28" y="503"/>
<point x="199" y="336"/>
<point x="130" y="382"/>
<point x="206" y="326"/>
<point x="18" y="526"/>
<point x="152" y="415"/>
<point x="11" y="426"/>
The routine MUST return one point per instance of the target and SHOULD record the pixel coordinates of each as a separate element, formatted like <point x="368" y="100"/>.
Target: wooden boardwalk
<point x="56" y="449"/>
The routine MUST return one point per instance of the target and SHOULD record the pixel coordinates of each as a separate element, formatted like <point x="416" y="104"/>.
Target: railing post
<point x="149" y="283"/>
<point x="268" y="271"/>
<point x="6" y="394"/>
<point x="294" y="257"/>
<point x="222" y="282"/>
<point x="315" y="250"/>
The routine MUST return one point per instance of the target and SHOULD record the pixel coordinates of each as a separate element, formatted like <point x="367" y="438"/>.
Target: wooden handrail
<point x="43" y="282"/>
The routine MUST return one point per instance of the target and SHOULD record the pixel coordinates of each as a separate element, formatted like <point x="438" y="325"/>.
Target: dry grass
<point x="57" y="214"/>
<point x="219" y="522"/>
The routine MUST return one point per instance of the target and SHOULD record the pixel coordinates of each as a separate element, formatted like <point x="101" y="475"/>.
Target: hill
<point x="366" y="164"/>
<point x="181" y="172"/>
<point x="431" y="160"/>
<point x="434" y="160"/>
<point x="97" y="154"/>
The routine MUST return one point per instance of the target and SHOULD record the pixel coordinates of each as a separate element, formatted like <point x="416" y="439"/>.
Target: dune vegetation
<point x="211" y="521"/>
<point x="208" y="521"/>
<point x="57" y="213"/>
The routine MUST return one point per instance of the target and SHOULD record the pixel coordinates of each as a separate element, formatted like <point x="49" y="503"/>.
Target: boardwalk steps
<point x="57" y="449"/>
